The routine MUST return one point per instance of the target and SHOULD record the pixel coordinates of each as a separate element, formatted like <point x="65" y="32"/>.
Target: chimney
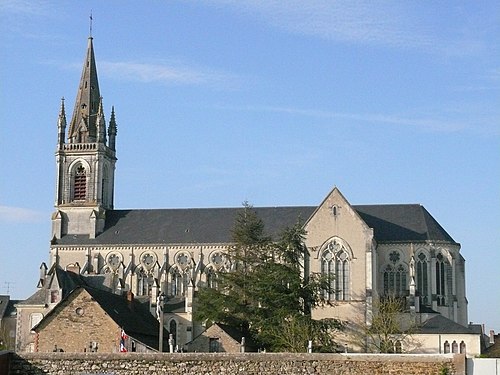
<point x="130" y="296"/>
<point x="492" y="336"/>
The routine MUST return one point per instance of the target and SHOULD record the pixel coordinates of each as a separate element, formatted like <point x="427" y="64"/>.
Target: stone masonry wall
<point x="248" y="363"/>
<point x="79" y="322"/>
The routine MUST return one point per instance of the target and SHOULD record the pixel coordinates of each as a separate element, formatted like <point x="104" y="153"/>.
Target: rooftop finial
<point x="90" y="32"/>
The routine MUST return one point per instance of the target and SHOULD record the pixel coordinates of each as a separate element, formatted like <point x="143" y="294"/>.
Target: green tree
<point x="265" y="294"/>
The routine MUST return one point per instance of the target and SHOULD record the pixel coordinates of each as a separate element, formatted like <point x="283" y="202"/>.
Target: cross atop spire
<point x="90" y="26"/>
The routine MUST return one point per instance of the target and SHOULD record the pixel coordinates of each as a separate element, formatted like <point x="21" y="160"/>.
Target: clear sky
<point x="274" y="102"/>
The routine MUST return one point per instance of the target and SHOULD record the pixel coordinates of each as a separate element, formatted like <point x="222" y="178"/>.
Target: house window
<point x="335" y="266"/>
<point x="440" y="280"/>
<point x="213" y="345"/>
<point x="454" y="347"/>
<point x="80" y="184"/>
<point x="422" y="279"/>
<point x="395" y="280"/>
<point x="54" y="296"/>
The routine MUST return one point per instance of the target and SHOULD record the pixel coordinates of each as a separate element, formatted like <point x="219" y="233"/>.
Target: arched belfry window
<point x="80" y="184"/>
<point x="335" y="266"/>
<point x="422" y="278"/>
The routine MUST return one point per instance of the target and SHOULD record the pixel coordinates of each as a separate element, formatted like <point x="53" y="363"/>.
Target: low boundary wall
<point x="228" y="364"/>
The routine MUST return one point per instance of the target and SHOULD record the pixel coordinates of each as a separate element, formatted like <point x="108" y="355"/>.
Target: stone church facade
<point x="368" y="251"/>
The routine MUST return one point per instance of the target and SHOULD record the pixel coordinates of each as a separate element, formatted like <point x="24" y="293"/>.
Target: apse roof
<point x="391" y="223"/>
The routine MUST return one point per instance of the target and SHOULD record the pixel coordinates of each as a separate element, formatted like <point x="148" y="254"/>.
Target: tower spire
<point x="82" y="128"/>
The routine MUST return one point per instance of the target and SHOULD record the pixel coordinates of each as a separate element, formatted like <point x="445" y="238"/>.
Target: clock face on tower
<point x="148" y="259"/>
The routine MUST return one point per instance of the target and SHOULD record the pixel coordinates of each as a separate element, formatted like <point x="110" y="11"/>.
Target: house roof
<point x="391" y="223"/>
<point x="133" y="316"/>
<point x="4" y="301"/>
<point x="494" y="350"/>
<point x="440" y="324"/>
<point x="67" y="281"/>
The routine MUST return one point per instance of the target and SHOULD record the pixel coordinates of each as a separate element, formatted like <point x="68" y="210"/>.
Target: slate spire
<point x="82" y="128"/>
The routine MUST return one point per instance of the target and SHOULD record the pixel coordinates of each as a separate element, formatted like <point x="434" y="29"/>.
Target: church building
<point x="368" y="251"/>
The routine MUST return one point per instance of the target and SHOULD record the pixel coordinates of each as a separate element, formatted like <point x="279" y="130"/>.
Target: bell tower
<point x="85" y="161"/>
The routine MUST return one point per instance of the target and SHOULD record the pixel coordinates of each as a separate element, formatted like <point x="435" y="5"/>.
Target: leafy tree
<point x="265" y="294"/>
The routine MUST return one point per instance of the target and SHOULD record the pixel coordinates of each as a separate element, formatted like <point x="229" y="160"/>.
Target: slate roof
<point x="440" y="324"/>
<point x="134" y="317"/>
<point x="391" y="223"/>
<point x="4" y="301"/>
<point x="67" y="281"/>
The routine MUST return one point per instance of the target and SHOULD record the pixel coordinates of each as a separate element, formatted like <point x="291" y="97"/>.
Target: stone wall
<point x="248" y="363"/>
<point x="75" y="324"/>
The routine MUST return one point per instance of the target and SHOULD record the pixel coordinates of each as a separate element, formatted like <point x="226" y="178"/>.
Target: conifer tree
<point x="265" y="294"/>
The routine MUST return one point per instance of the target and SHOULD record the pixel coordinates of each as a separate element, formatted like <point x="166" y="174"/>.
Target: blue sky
<point x="218" y="102"/>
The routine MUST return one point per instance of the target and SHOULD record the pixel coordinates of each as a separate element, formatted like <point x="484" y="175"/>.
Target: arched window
<point x="173" y="329"/>
<point x="454" y="347"/>
<point x="179" y="283"/>
<point x="398" y="347"/>
<point x="395" y="280"/>
<point x="80" y="184"/>
<point x="440" y="280"/>
<point x="176" y="283"/>
<point x="446" y="347"/>
<point x="422" y="279"/>
<point x="212" y="281"/>
<point x="462" y="347"/>
<point x="144" y="283"/>
<point x="335" y="266"/>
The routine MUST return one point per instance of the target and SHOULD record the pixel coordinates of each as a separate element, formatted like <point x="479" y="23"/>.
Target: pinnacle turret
<point x="61" y="124"/>
<point x="101" y="124"/>
<point x="112" y="130"/>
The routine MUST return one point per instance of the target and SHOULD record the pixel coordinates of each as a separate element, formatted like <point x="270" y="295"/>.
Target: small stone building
<point x="220" y="338"/>
<point x="91" y="320"/>
<point x="7" y="322"/>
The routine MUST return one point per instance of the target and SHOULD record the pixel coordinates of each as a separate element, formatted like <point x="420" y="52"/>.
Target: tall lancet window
<point x="80" y="184"/>
<point x="422" y="278"/>
<point x="335" y="266"/>
<point x="212" y="279"/>
<point x="441" y="280"/>
<point x="395" y="280"/>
